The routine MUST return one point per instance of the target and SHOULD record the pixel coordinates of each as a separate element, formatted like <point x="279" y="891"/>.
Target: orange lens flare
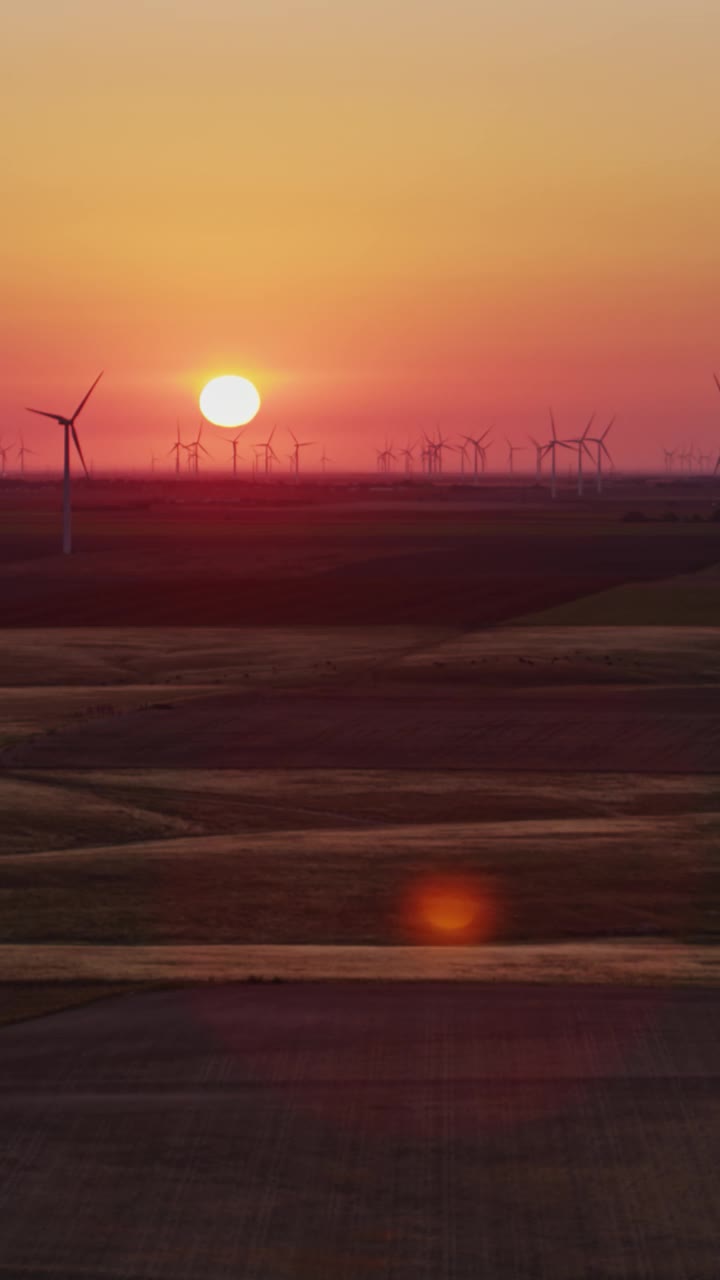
<point x="451" y="910"/>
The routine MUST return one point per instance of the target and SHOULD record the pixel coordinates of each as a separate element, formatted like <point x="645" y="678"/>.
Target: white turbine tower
<point x="68" y="425"/>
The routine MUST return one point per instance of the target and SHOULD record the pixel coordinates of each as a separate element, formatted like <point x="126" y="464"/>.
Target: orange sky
<point x="387" y="214"/>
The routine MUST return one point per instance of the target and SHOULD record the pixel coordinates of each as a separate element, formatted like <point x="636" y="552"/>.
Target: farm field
<point x="240" y="778"/>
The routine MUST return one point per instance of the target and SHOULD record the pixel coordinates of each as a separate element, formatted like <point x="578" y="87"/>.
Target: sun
<point x="229" y="401"/>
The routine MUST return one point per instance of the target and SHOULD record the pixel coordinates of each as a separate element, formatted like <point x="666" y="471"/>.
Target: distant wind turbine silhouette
<point x="602" y="451"/>
<point x="270" y="454"/>
<point x="193" y="451"/>
<point x="234" y="442"/>
<point x="512" y="450"/>
<point x="552" y="447"/>
<point x="480" y="445"/>
<point x="68" y="425"/>
<point x="176" y="450"/>
<point x="22" y="451"/>
<point x="295" y="455"/>
<point x="580" y="443"/>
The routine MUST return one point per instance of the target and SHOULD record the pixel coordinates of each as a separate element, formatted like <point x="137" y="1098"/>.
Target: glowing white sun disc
<point x="229" y="401"/>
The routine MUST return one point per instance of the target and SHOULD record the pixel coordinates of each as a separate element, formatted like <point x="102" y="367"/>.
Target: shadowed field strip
<point x="618" y="729"/>
<point x="686" y="599"/>
<point x="595" y="962"/>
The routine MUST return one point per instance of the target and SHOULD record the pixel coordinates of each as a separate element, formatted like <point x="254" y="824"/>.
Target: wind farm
<point x="359" y="641"/>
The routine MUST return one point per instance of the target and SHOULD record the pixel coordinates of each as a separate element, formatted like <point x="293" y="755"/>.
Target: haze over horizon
<point x="386" y="216"/>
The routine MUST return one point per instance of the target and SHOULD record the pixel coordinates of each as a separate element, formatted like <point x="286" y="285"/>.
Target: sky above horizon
<point x="388" y="215"/>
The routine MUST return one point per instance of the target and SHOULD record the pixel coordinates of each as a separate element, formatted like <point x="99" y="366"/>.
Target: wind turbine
<point x="234" y="442"/>
<point x="435" y="452"/>
<point x="385" y="458"/>
<point x="176" y="450"/>
<point x="4" y="451"/>
<point x="407" y="454"/>
<point x="669" y="459"/>
<point x="324" y="461"/>
<point x="21" y="454"/>
<point x="602" y="449"/>
<point x="580" y="443"/>
<point x="480" y="444"/>
<point x="193" y="451"/>
<point x="512" y="450"/>
<point x="270" y="453"/>
<point x="443" y="442"/>
<point x="552" y="447"/>
<point x="68" y="425"/>
<point x="540" y="451"/>
<point x="295" y="455"/>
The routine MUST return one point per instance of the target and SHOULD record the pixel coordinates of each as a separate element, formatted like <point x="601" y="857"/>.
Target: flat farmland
<point x="194" y="557"/>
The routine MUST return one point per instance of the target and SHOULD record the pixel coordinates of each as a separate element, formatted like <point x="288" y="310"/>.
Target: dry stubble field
<point x="290" y="783"/>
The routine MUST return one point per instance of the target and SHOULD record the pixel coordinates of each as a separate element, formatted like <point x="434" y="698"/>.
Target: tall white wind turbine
<point x="68" y="425"/>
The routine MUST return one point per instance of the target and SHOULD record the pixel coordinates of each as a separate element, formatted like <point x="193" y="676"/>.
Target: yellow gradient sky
<point x="387" y="214"/>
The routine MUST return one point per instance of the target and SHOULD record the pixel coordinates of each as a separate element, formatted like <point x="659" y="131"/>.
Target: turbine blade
<point x="717" y="381"/>
<point x="76" y="442"/>
<point x="592" y="419"/>
<point x="610" y="424"/>
<point x="85" y="398"/>
<point x="56" y="417"/>
<point x="552" y="424"/>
